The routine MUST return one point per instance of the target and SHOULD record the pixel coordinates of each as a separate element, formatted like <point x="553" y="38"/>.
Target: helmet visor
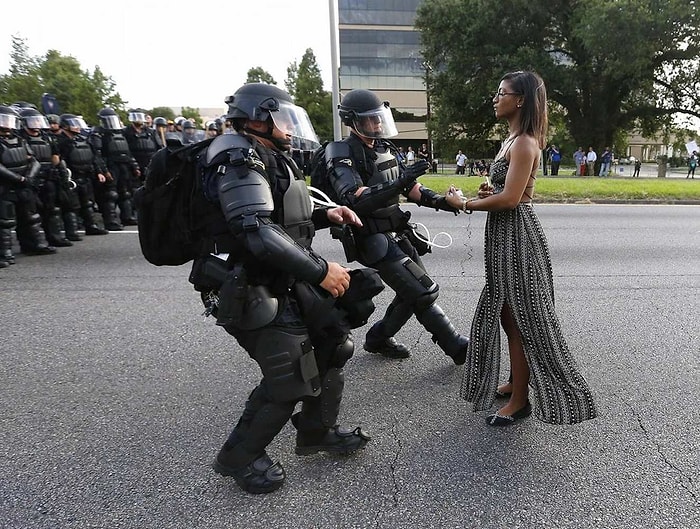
<point x="376" y="123"/>
<point x="137" y="117"/>
<point x="8" y="121"/>
<point x="36" y="122"/>
<point x="111" y="122"/>
<point x="294" y="120"/>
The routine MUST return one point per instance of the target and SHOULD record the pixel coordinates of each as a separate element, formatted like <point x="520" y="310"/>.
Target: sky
<point x="162" y="53"/>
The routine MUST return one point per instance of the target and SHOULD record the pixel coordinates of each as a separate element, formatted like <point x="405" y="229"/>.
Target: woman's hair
<point x="533" y="115"/>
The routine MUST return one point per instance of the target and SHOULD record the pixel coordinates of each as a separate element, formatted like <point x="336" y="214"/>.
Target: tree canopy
<point x="611" y="65"/>
<point x="305" y="84"/>
<point x="77" y="91"/>
<point x="258" y="75"/>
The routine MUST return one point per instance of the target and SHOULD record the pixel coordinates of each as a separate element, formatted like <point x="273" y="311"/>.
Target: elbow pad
<point x="341" y="170"/>
<point x="33" y="170"/>
<point x="431" y="199"/>
<point x="9" y="176"/>
<point x="272" y="245"/>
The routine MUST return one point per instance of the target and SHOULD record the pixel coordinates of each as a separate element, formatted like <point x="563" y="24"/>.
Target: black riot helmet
<point x="264" y="102"/>
<point x="33" y="120"/>
<point x="109" y="119"/>
<point x="53" y="119"/>
<point x="72" y="123"/>
<point x="366" y="114"/>
<point x="136" y="116"/>
<point x="160" y="122"/>
<point x="9" y="119"/>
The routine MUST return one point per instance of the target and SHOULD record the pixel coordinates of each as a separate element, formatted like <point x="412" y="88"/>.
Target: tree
<point x="258" y="75"/>
<point x="163" y="112"/>
<point x="76" y="91"/>
<point x="611" y="65"/>
<point x="305" y="84"/>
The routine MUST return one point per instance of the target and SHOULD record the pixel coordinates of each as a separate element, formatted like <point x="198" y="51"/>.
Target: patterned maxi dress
<point x="519" y="273"/>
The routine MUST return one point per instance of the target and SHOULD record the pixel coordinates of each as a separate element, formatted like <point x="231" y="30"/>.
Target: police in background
<point x="54" y="124"/>
<point x="281" y="300"/>
<point x="19" y="172"/>
<point x="86" y="170"/>
<point x="160" y="124"/>
<point x="109" y="143"/>
<point x="53" y="177"/>
<point x="189" y="132"/>
<point x="142" y="143"/>
<point x="365" y="175"/>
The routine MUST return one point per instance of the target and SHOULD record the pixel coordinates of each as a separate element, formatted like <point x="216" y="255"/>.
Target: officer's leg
<point x="51" y="215"/>
<point x="7" y="223"/>
<point x="126" y="208"/>
<point x="316" y="423"/>
<point x="411" y="282"/>
<point x="31" y="239"/>
<point x="106" y="195"/>
<point x="86" y="197"/>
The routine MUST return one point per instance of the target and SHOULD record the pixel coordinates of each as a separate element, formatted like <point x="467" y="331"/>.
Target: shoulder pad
<point x="338" y="149"/>
<point x="224" y="143"/>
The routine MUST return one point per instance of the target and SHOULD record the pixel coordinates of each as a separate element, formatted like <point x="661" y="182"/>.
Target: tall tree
<point x="305" y="84"/>
<point x="77" y="91"/>
<point x="258" y="75"/>
<point x="611" y="64"/>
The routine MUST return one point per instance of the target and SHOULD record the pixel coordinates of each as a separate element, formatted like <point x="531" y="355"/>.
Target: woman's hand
<point x="485" y="190"/>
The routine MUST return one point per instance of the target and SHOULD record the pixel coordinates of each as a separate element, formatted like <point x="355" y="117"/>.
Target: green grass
<point x="581" y="189"/>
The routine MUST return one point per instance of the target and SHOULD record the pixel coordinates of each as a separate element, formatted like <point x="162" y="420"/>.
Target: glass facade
<point x="380" y="51"/>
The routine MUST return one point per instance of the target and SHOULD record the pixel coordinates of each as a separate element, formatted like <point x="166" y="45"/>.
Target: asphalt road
<point x="117" y="394"/>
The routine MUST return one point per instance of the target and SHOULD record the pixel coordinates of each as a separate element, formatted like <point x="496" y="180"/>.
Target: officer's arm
<point x="247" y="203"/>
<point x="346" y="181"/>
<point x="424" y="196"/>
<point x="9" y="177"/>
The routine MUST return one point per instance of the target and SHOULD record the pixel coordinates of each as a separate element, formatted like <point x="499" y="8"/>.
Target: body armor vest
<point x="115" y="147"/>
<point x="81" y="158"/>
<point x="143" y="145"/>
<point x="384" y="169"/>
<point x="15" y="155"/>
<point x="42" y="150"/>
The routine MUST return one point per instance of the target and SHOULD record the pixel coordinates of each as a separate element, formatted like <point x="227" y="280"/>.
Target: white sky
<point x="165" y="53"/>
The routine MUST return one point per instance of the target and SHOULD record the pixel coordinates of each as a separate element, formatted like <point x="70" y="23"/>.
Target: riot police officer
<point x="109" y="143"/>
<point x="142" y="143"/>
<point x="54" y="180"/>
<point x="87" y="170"/>
<point x="19" y="170"/>
<point x="366" y="176"/>
<point x="160" y="125"/>
<point x="281" y="301"/>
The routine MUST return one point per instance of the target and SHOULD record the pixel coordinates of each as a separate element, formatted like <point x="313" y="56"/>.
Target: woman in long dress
<point x="519" y="290"/>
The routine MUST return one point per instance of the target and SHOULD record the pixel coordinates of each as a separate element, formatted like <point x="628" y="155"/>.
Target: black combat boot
<point x="336" y="440"/>
<point x="52" y="229"/>
<point x="443" y="333"/>
<point x="260" y="476"/>
<point x="376" y="342"/>
<point x="70" y="224"/>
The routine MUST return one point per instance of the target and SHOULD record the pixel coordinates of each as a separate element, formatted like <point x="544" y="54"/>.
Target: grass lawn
<point x="558" y="189"/>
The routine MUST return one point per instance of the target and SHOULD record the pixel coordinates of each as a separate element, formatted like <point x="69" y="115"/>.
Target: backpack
<point x="173" y="212"/>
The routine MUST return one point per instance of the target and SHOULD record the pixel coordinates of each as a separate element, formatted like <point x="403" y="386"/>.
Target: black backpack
<point x="173" y="212"/>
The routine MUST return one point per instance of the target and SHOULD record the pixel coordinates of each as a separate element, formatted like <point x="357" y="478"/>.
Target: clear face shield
<point x="294" y="120"/>
<point x="376" y="123"/>
<point x="137" y="117"/>
<point x="35" y="122"/>
<point x="111" y="122"/>
<point x="8" y="121"/>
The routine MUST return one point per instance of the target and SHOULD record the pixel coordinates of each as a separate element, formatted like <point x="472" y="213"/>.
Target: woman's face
<point x="506" y="101"/>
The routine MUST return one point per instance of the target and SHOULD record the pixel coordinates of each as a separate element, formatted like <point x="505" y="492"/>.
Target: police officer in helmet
<point x="366" y="176"/>
<point x="281" y="301"/>
<point x="19" y="170"/>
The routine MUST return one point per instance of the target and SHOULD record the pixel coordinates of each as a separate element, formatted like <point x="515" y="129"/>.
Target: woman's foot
<point x="508" y="415"/>
<point x="504" y="391"/>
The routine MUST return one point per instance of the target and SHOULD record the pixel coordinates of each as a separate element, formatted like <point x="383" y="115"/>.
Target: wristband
<point x="465" y="209"/>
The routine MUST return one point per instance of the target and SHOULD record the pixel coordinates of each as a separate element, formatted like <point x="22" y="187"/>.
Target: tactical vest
<point x="143" y="145"/>
<point x="15" y="155"/>
<point x="115" y="148"/>
<point x="42" y="150"/>
<point x="81" y="158"/>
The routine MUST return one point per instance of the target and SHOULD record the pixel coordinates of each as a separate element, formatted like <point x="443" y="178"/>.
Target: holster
<point x="242" y="305"/>
<point x="208" y="273"/>
<point x="346" y="236"/>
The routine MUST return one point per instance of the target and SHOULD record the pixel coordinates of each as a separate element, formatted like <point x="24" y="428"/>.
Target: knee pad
<point x="287" y="362"/>
<point x="342" y="353"/>
<point x="112" y="195"/>
<point x="410" y="282"/>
